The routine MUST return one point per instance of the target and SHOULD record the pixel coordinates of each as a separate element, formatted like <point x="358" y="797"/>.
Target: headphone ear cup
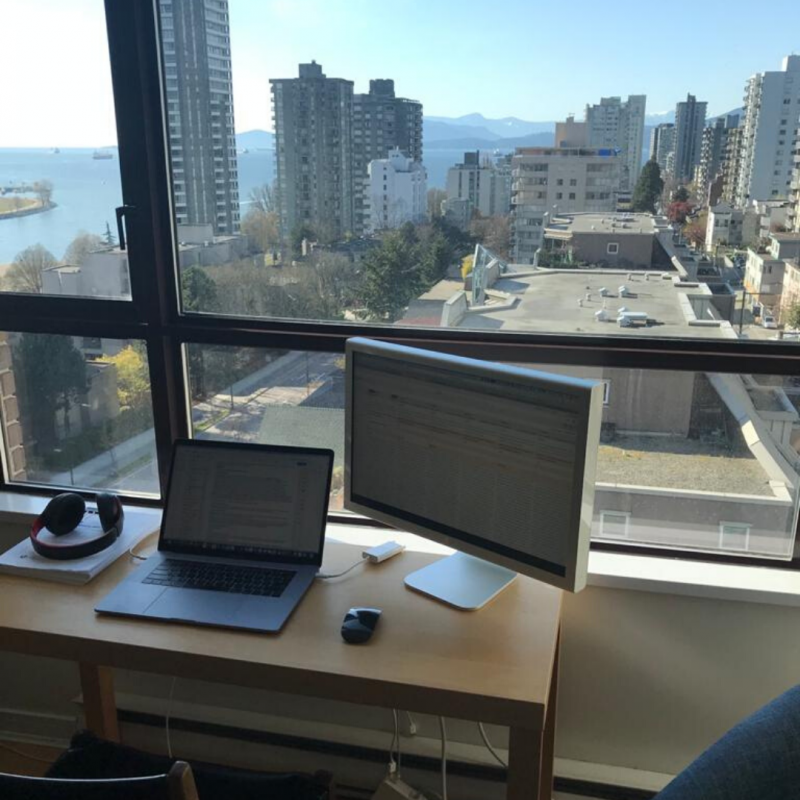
<point x="110" y="511"/>
<point x="64" y="513"/>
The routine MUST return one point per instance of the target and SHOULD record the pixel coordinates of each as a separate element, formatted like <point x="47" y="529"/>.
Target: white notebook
<point x="21" y="559"/>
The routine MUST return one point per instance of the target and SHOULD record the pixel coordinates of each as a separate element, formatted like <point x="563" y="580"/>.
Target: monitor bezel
<point x="590" y="395"/>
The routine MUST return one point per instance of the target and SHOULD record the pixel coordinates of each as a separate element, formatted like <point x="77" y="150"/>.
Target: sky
<point x="526" y="58"/>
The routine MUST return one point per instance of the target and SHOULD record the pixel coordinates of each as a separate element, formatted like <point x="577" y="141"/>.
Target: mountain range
<point x="475" y="132"/>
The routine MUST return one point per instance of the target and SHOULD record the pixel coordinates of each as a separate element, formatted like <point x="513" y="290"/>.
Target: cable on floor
<point x="27" y="756"/>
<point x="489" y="747"/>
<point x="443" y="732"/>
<point x="168" y="715"/>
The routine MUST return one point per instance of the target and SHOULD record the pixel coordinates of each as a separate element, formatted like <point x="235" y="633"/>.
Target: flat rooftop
<point x="547" y="302"/>
<point x="621" y="224"/>
<point x="681" y="463"/>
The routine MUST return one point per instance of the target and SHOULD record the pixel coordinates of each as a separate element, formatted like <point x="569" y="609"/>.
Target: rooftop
<point x="548" y="301"/>
<point x="681" y="463"/>
<point x="606" y="223"/>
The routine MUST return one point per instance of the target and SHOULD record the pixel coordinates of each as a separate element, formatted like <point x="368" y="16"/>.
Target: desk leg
<point x="531" y="753"/>
<point x="99" y="705"/>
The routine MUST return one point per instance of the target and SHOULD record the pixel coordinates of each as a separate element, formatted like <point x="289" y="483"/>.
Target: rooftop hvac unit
<point x="603" y="291"/>
<point x="623" y="310"/>
<point x="601" y="315"/>
<point x="623" y="291"/>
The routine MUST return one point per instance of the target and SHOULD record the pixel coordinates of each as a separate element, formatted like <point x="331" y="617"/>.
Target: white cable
<point x="412" y="725"/>
<point x="395" y="735"/>
<point x="489" y="747"/>
<point x="169" y="713"/>
<point x="443" y="732"/>
<point x="399" y="739"/>
<point x="326" y="576"/>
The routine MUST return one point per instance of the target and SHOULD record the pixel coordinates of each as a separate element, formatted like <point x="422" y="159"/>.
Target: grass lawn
<point x="9" y="205"/>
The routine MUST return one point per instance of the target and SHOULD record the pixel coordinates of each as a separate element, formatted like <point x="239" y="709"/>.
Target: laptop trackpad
<point x="194" y="605"/>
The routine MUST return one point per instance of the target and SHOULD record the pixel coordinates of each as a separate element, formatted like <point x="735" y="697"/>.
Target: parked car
<point x="768" y="321"/>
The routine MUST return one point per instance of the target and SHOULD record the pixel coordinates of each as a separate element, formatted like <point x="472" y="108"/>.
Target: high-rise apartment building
<point x="616" y="124"/>
<point x="731" y="163"/>
<point x="771" y="115"/>
<point x="313" y="117"/>
<point x="549" y="181"/>
<point x="690" y="120"/>
<point x="662" y="146"/>
<point x="381" y="123"/>
<point x="397" y="192"/>
<point x="199" y="98"/>
<point x="486" y="184"/>
<point x="715" y="138"/>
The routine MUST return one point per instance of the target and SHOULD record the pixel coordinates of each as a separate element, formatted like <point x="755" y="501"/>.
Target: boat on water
<point x="101" y="155"/>
<point x="55" y="151"/>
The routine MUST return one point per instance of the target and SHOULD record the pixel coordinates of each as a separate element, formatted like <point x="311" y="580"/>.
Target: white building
<point x="397" y="190"/>
<point x="616" y="124"/>
<point x="484" y="183"/>
<point x="772" y="110"/>
<point x="548" y="181"/>
<point x="731" y="226"/>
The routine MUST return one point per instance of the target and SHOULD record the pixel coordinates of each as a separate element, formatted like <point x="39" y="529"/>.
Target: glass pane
<point x="340" y="200"/>
<point x="288" y="397"/>
<point x="77" y="411"/>
<point x="704" y="461"/>
<point x="59" y="167"/>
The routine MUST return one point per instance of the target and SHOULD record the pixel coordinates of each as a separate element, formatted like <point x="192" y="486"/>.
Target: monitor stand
<point x="462" y="581"/>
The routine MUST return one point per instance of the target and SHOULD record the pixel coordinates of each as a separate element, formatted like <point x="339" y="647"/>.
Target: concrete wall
<point x="635" y="250"/>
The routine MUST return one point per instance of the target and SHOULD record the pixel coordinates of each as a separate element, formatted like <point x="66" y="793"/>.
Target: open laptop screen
<point x="247" y="501"/>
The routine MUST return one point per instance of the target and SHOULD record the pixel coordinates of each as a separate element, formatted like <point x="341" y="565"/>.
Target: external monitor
<point x="493" y="460"/>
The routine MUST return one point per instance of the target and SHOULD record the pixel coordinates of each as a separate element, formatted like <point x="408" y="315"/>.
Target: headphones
<point x="64" y="513"/>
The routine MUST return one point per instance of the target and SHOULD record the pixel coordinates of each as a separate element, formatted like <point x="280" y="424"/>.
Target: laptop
<point x="241" y="537"/>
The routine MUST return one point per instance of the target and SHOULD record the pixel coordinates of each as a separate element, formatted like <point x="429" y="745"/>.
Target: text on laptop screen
<point x="248" y="501"/>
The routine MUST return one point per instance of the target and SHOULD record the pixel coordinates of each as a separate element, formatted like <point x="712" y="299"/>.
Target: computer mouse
<point x="359" y="624"/>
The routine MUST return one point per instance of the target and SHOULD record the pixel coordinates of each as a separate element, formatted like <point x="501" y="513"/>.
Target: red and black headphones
<point x="64" y="513"/>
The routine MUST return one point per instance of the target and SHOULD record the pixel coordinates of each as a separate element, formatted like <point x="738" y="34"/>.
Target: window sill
<point x="671" y="576"/>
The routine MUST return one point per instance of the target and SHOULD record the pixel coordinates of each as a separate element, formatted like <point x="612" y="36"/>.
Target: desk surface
<point x="494" y="664"/>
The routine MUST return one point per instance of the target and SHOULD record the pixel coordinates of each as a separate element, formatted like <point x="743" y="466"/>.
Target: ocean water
<point x="87" y="191"/>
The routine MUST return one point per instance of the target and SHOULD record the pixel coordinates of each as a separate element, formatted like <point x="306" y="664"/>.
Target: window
<point x="734" y="535"/>
<point x="614" y="524"/>
<point x="226" y="315"/>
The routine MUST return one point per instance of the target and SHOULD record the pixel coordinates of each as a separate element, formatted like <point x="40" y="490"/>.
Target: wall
<point x="647" y="680"/>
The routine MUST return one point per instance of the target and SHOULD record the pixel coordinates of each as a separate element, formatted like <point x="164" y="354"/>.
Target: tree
<point x="695" y="231"/>
<point x="262" y="228"/>
<point x="108" y="238"/>
<point x="391" y="277"/>
<point x="435" y="199"/>
<point x="680" y="195"/>
<point x="133" y="378"/>
<point x="494" y="233"/>
<point x="264" y="199"/>
<point x="25" y="273"/>
<point x="648" y="189"/>
<point x="44" y="191"/>
<point x="299" y="233"/>
<point x="198" y="290"/>
<point x="679" y="212"/>
<point x="793" y="316"/>
<point x="80" y="247"/>
<point x="52" y="375"/>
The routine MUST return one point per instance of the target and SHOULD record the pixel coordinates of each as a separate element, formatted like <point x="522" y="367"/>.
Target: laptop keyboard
<point x="229" y="578"/>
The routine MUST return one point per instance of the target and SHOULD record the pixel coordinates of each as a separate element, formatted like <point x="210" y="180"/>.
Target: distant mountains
<point x="476" y="132"/>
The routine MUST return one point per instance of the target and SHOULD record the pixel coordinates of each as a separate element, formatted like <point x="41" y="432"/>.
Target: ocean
<point x="86" y="192"/>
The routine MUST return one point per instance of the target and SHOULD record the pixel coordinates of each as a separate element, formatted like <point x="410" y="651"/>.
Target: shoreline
<point x="27" y="212"/>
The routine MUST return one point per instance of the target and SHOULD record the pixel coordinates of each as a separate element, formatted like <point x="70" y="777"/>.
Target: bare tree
<point x="80" y="247"/>
<point x="435" y="199"/>
<point x="44" y="191"/>
<point x="25" y="274"/>
<point x="264" y="199"/>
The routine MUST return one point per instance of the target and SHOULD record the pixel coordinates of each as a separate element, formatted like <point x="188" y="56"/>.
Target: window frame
<point x="154" y="315"/>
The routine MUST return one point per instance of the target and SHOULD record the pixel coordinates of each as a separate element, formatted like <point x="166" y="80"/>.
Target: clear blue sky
<point x="527" y="58"/>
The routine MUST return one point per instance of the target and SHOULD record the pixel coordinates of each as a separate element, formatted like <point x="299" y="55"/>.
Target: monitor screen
<point x="493" y="460"/>
<point x="252" y="501"/>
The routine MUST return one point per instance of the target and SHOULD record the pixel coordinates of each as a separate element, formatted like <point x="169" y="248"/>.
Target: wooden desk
<point x="498" y="665"/>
